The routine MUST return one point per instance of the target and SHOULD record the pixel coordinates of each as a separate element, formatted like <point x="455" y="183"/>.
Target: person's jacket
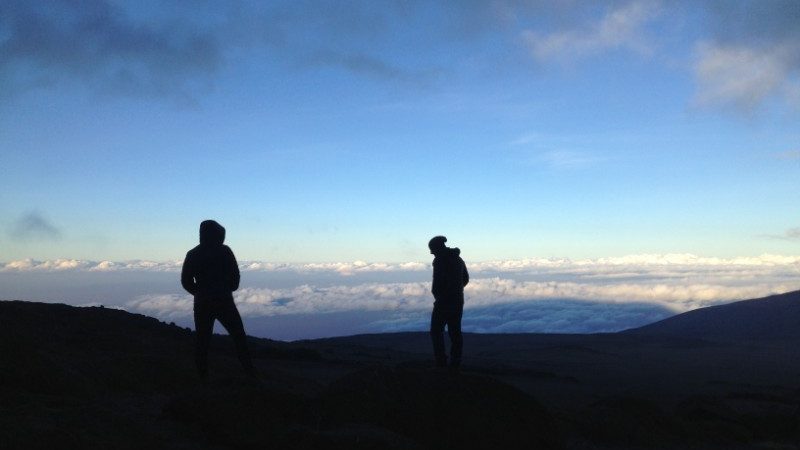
<point x="449" y="276"/>
<point x="210" y="270"/>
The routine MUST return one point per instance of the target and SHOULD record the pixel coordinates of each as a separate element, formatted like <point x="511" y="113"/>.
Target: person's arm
<point x="466" y="274"/>
<point x="438" y="278"/>
<point x="233" y="276"/>
<point x="187" y="276"/>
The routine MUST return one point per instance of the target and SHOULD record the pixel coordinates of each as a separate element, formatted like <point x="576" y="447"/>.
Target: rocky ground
<point x="102" y="378"/>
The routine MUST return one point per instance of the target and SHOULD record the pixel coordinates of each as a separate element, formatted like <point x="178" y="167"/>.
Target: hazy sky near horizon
<point x="342" y="131"/>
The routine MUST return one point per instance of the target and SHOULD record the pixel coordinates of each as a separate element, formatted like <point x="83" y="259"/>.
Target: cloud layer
<point x="537" y="294"/>
<point x="590" y="295"/>
<point x="497" y="305"/>
<point x="677" y="282"/>
<point x="674" y="261"/>
<point x="677" y="292"/>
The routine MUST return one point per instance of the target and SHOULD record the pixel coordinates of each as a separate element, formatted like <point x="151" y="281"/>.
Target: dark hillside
<point x="776" y="317"/>
<point x="100" y="378"/>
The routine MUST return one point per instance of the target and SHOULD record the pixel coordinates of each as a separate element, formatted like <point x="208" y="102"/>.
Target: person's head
<point x="211" y="233"/>
<point x="436" y="244"/>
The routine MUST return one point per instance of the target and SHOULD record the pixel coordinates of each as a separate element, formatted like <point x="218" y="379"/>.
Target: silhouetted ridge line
<point x="776" y="317"/>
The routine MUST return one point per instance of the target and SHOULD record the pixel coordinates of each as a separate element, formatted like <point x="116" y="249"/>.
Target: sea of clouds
<point x="529" y="295"/>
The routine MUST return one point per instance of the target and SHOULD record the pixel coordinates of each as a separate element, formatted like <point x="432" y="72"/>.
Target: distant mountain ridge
<point x="776" y="317"/>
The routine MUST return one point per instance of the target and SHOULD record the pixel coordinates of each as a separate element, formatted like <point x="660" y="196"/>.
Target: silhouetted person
<point x="211" y="274"/>
<point x="449" y="278"/>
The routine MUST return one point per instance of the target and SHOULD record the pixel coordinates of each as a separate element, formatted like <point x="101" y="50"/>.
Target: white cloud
<point x="640" y="263"/>
<point x="673" y="294"/>
<point x="25" y="265"/>
<point x="676" y="281"/>
<point x="304" y="299"/>
<point x="350" y="268"/>
<point x="163" y="306"/>
<point x="514" y="295"/>
<point x="32" y="265"/>
<point x="745" y="77"/>
<point x="620" y="28"/>
<point x="340" y="268"/>
<point x="677" y="294"/>
<point x="671" y="261"/>
<point x="746" y="55"/>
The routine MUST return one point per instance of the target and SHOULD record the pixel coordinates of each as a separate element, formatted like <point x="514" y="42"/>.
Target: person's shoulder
<point x="228" y="252"/>
<point x="456" y="255"/>
<point x="191" y="257"/>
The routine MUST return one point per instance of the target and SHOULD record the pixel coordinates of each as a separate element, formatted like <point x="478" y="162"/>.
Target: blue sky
<point x="334" y="132"/>
<point x="337" y="131"/>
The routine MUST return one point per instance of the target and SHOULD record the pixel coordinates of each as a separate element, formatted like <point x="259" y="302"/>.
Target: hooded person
<point x="449" y="278"/>
<point x="210" y="273"/>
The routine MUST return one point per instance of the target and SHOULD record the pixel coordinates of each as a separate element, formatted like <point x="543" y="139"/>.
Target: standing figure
<point x="449" y="278"/>
<point x="211" y="274"/>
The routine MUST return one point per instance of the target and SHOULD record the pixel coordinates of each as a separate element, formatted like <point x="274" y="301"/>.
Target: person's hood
<point x="455" y="251"/>
<point x="211" y="233"/>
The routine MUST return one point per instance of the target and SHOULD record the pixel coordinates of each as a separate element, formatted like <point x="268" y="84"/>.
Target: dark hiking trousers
<point x="450" y="315"/>
<point x="224" y="310"/>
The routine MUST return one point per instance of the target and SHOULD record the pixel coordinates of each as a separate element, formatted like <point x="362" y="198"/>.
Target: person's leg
<point x="456" y="338"/>
<point x="229" y="317"/>
<point x="437" y="329"/>
<point x="203" y="326"/>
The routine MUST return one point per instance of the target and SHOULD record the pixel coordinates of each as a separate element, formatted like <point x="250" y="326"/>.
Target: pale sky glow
<point x="333" y="132"/>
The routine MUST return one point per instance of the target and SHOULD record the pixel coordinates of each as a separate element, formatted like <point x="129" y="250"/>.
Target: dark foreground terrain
<point x="102" y="378"/>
